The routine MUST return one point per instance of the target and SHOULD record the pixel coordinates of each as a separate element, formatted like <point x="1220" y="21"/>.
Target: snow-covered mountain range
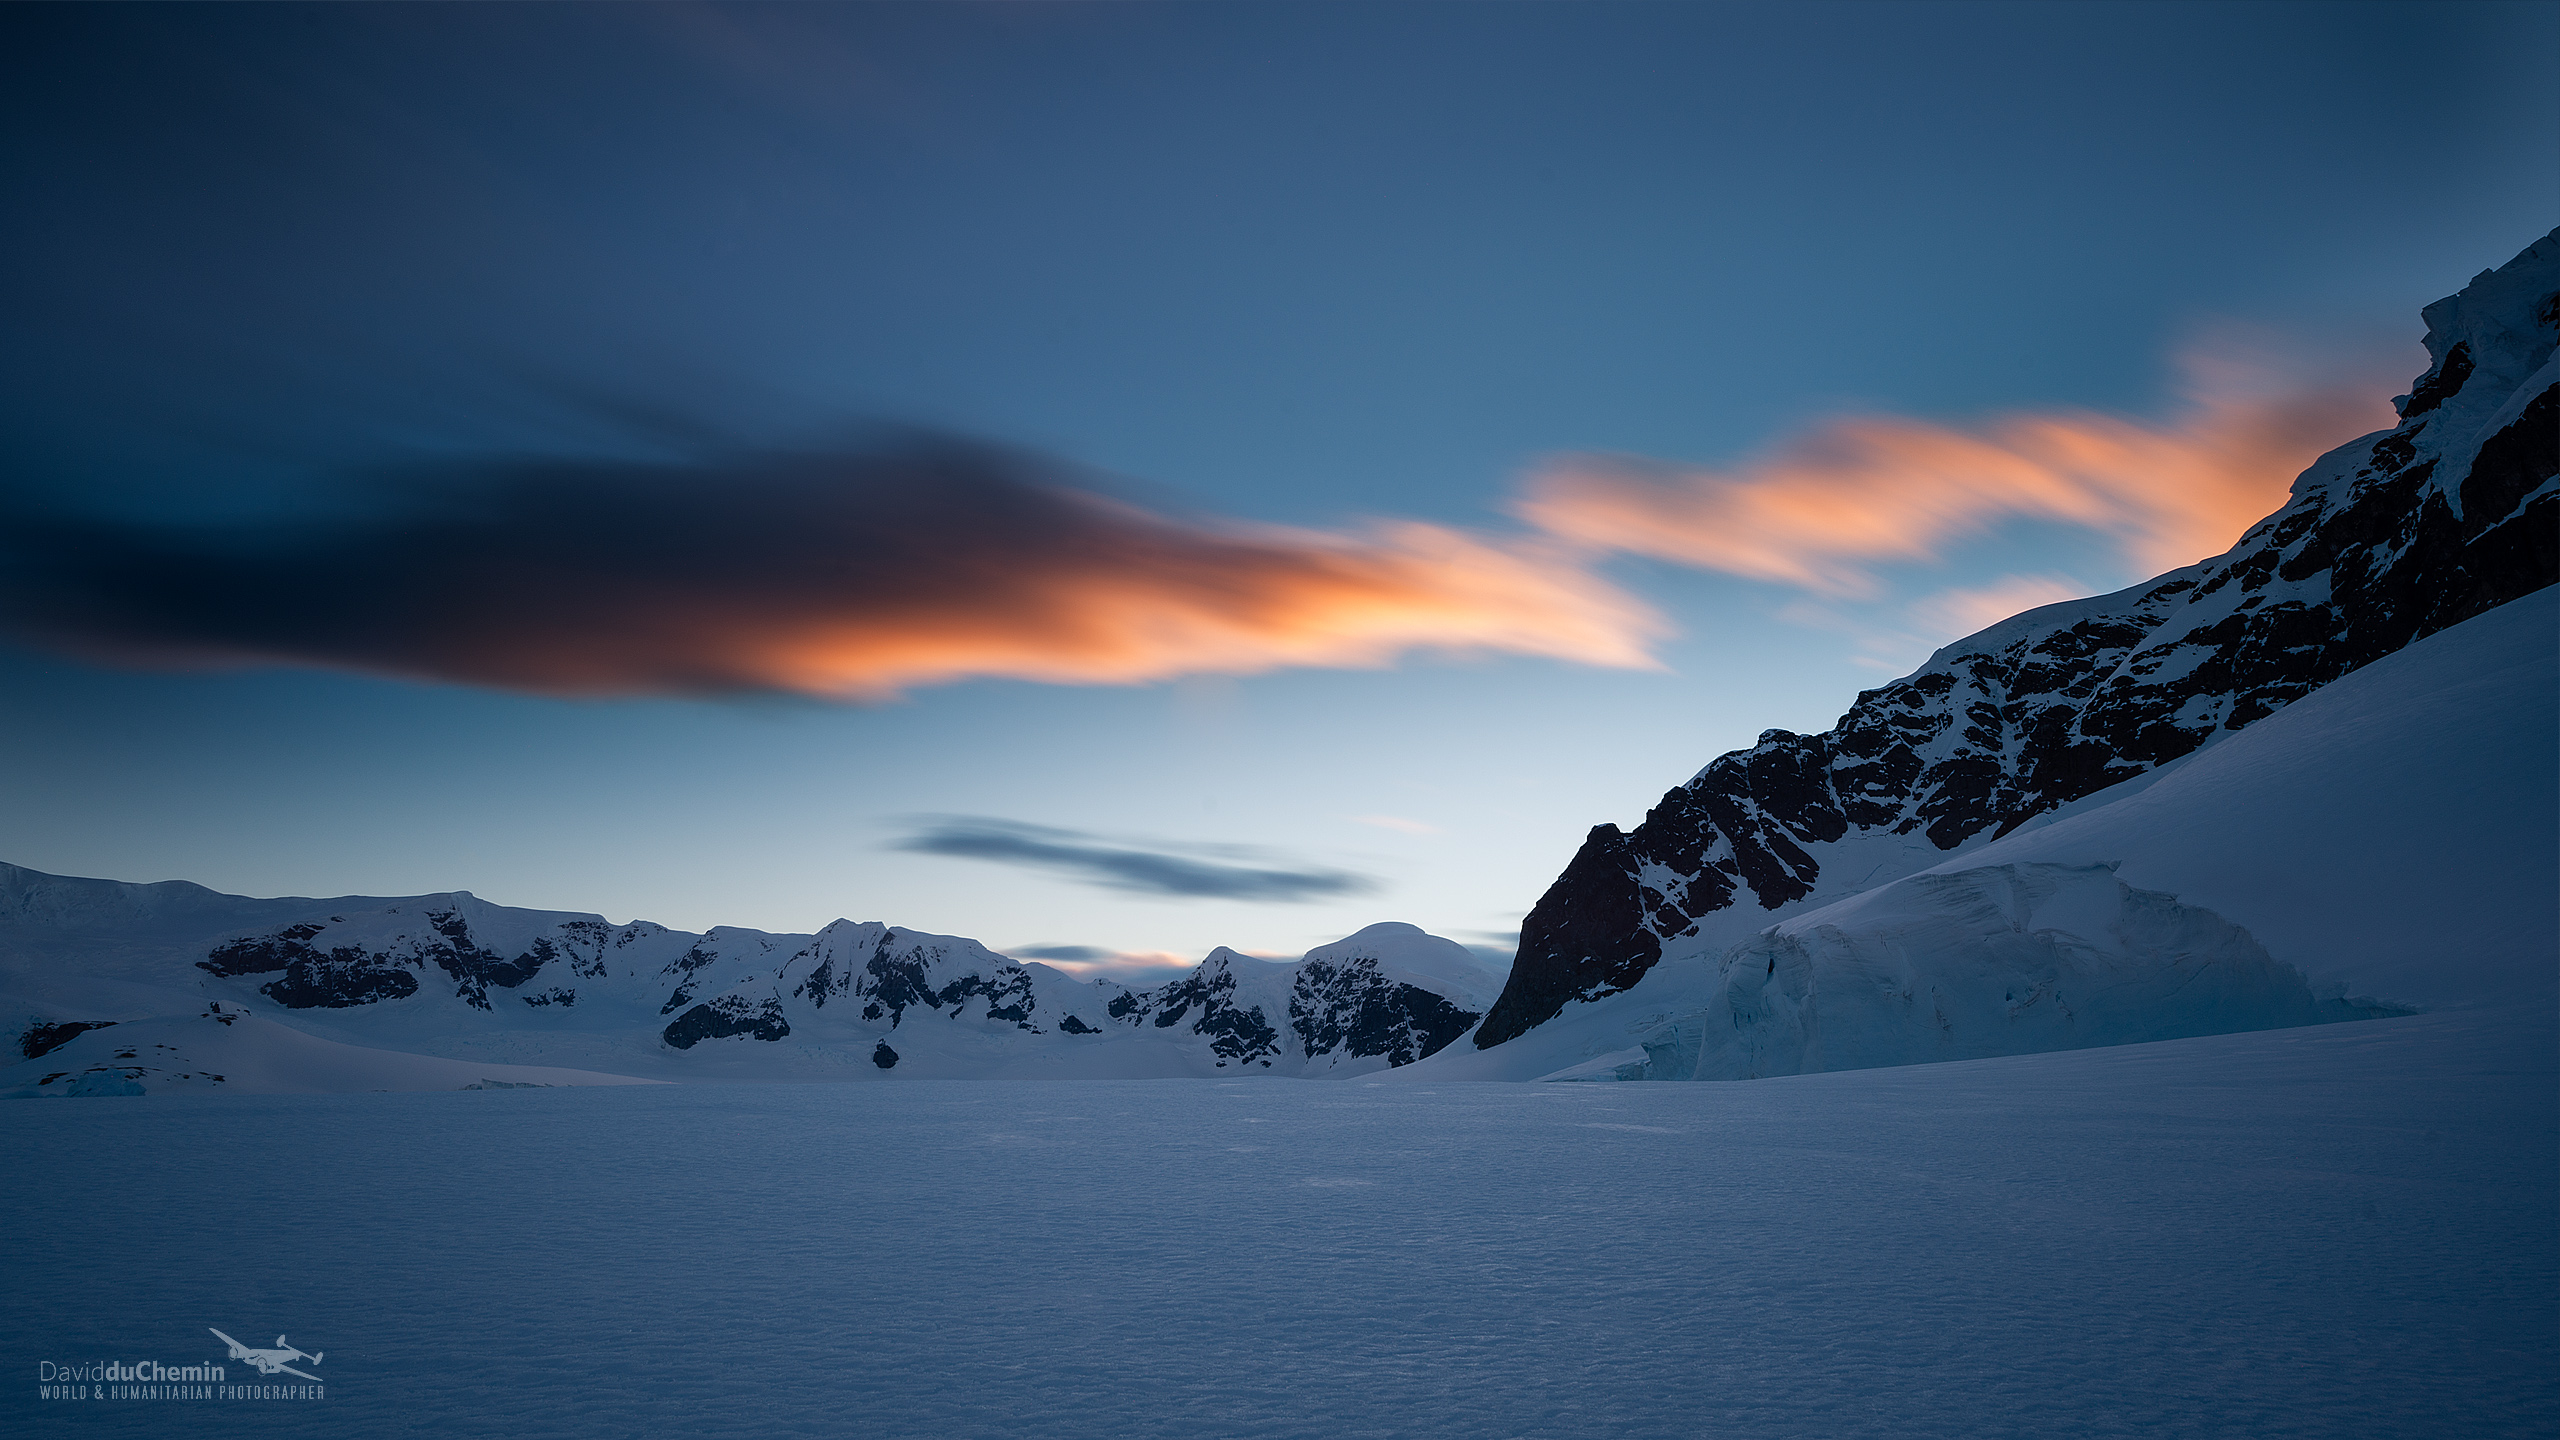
<point x="2311" y="779"/>
<point x="198" y="985"/>
<point x="1861" y="897"/>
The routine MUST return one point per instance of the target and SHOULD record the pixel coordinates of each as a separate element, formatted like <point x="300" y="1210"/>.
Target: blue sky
<point x="315" y="305"/>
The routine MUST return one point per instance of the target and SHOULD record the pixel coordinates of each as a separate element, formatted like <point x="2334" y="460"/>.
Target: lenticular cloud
<point x="1825" y="510"/>
<point x="857" y="575"/>
<point x="852" y="576"/>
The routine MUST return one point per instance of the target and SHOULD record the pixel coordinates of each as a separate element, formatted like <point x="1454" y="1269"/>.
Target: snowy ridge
<point x="2384" y="541"/>
<point x="2391" y="835"/>
<point x="91" y="968"/>
<point x="1965" y="965"/>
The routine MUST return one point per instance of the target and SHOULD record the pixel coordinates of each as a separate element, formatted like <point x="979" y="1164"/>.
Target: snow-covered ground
<point x="247" y="1054"/>
<point x="2331" y="1230"/>
<point x="2393" y="835"/>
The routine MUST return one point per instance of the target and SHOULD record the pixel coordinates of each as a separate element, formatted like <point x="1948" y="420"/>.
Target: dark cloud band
<point x="852" y="574"/>
<point x="1119" y="867"/>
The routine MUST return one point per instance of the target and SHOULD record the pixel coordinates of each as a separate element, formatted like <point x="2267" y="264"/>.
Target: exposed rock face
<point x="42" y="1038"/>
<point x="354" y="963"/>
<point x="370" y="966"/>
<point x="1353" y="1008"/>
<point x="1239" y="1031"/>
<point x="1341" y="1003"/>
<point x="453" y="971"/>
<point x="335" y="978"/>
<point x="889" y="971"/>
<point x="1346" y="1002"/>
<point x="2383" y="542"/>
<point x="686" y="966"/>
<point x="726" y="1016"/>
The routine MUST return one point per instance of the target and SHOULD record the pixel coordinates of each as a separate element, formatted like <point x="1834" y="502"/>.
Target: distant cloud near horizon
<point x="1824" y="510"/>
<point x="1095" y="962"/>
<point x="1116" y="865"/>
<point x="1073" y="954"/>
<point x="848" y="575"/>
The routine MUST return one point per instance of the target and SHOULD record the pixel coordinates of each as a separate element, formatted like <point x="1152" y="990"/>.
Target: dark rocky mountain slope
<point x="2384" y="541"/>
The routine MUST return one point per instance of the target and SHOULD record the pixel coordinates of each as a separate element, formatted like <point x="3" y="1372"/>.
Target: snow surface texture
<point x="2340" y="1230"/>
<point x="2385" y="540"/>
<point x="2391" y="840"/>
<point x="1993" y="960"/>
<point x="365" y="993"/>
<point x="222" y="1050"/>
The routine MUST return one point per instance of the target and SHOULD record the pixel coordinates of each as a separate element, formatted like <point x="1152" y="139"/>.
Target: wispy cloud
<point x="1397" y="823"/>
<point x="853" y="575"/>
<point x="862" y="572"/>
<point x="1120" y="865"/>
<point x="1824" y="510"/>
<point x="1055" y="954"/>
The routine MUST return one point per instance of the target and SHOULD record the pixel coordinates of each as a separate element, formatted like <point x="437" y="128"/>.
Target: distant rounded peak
<point x="1224" y="957"/>
<point x="1387" y="932"/>
<point x="1409" y="951"/>
<point x="1385" y="929"/>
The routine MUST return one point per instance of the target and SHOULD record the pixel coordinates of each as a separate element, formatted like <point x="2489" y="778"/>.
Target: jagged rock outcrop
<point x="726" y="1016"/>
<point x="1355" y="1008"/>
<point x="2384" y="541"/>
<point x="1240" y="1028"/>
<point x="889" y="970"/>
<point x="341" y="962"/>
<point x="43" y="1037"/>
<point x="1389" y="992"/>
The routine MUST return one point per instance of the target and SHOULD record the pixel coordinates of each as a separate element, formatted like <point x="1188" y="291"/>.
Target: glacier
<point x="2384" y="844"/>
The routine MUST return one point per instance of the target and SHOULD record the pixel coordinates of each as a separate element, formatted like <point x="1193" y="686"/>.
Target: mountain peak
<point x="2383" y="541"/>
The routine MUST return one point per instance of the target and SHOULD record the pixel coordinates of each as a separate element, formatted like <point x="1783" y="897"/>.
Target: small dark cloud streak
<point x="1061" y="952"/>
<point x="1119" y="867"/>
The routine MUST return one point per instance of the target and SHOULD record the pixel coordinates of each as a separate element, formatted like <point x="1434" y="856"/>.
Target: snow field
<point x="2332" y="1230"/>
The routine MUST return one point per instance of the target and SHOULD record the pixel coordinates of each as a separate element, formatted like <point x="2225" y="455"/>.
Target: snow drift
<point x="2387" y="843"/>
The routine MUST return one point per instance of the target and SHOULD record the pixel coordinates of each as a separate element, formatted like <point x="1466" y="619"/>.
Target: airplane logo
<point x="270" y="1362"/>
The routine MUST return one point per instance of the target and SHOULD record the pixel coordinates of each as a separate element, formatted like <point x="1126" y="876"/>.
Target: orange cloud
<point x="1824" y="510"/>
<point x="1163" y="600"/>
<point x="844" y="576"/>
<point x="1135" y="968"/>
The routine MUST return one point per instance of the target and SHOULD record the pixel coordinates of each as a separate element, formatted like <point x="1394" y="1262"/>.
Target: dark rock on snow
<point x="2383" y="542"/>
